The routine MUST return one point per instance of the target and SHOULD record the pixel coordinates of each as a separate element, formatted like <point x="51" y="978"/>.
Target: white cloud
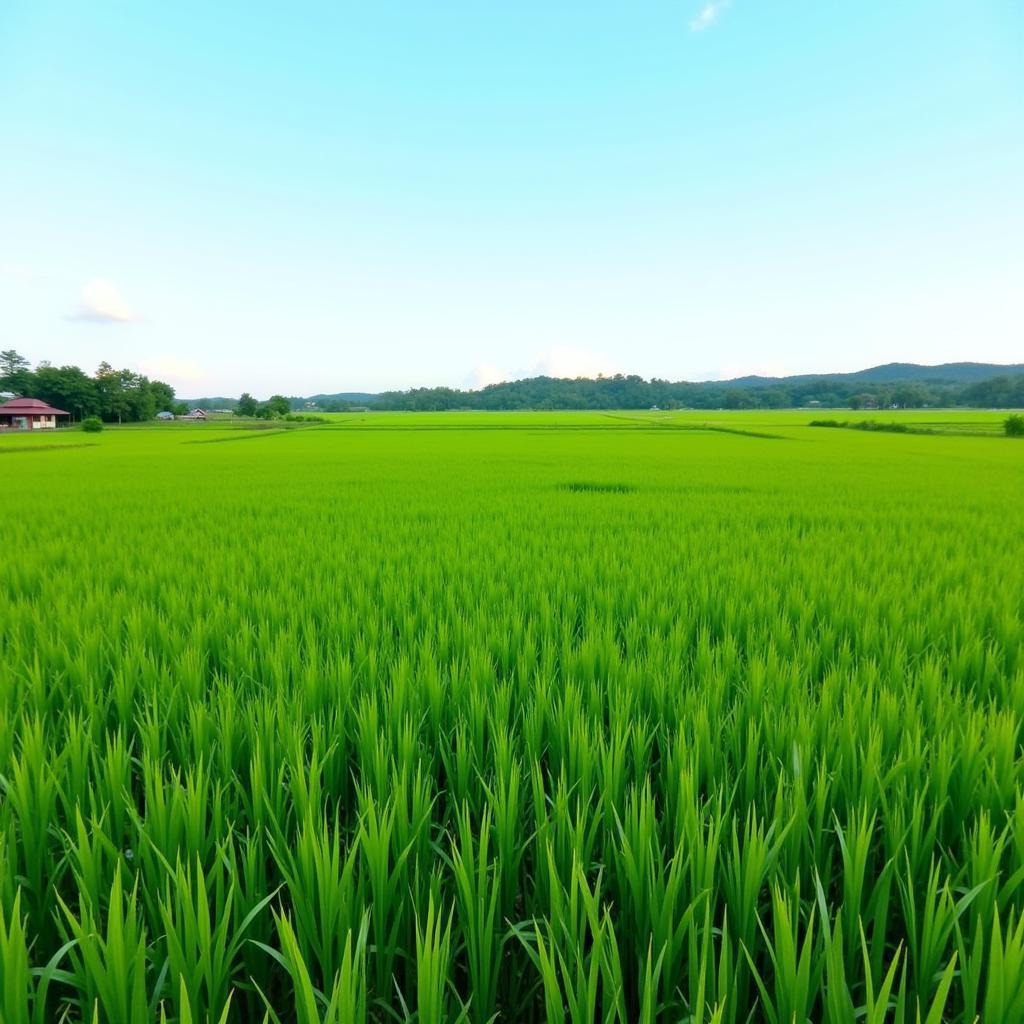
<point x="484" y="374"/>
<point x="101" y="303"/>
<point x="174" y="371"/>
<point x="560" y="361"/>
<point x="557" y="361"/>
<point x="708" y="15"/>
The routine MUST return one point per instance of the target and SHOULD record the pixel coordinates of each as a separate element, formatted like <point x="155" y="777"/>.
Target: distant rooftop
<point x="29" y="407"/>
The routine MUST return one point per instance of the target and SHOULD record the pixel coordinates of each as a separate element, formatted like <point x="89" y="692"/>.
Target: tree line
<point x="273" y="408"/>
<point x="126" y="396"/>
<point x="115" y="396"/>
<point x="633" y="392"/>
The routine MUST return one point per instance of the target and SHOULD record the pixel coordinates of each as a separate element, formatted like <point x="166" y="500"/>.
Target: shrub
<point x="1014" y="426"/>
<point x="586" y="485"/>
<point x="92" y="424"/>
<point x="296" y="417"/>
<point x="889" y="428"/>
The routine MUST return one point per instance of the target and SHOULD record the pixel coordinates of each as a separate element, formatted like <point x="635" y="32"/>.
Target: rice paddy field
<point x="706" y="718"/>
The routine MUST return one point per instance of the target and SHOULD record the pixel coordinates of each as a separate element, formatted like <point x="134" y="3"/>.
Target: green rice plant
<point x="934" y="1009"/>
<point x="326" y="892"/>
<point x="744" y="876"/>
<point x="30" y="790"/>
<point x="346" y="1002"/>
<point x="656" y="898"/>
<point x="107" y="968"/>
<point x="1004" y="985"/>
<point x="433" y="964"/>
<point x="577" y="956"/>
<point x="387" y="876"/>
<point x="710" y="993"/>
<point x="878" y="1004"/>
<point x="837" y="998"/>
<point x="186" y="1016"/>
<point x="202" y="937"/>
<point x="865" y="903"/>
<point x="376" y="720"/>
<point x="796" y="964"/>
<point x="477" y="879"/>
<point x="16" y="985"/>
<point x="930" y="926"/>
<point x="504" y="797"/>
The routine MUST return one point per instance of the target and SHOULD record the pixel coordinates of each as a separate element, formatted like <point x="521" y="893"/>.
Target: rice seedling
<point x="383" y="720"/>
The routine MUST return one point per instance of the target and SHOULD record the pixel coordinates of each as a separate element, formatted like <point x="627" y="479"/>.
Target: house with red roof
<point x="29" y="414"/>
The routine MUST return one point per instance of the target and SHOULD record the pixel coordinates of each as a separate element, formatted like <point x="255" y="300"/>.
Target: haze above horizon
<point x="368" y="197"/>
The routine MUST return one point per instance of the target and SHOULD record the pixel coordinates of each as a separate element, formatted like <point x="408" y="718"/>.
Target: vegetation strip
<point x="22" y="449"/>
<point x="241" y="434"/>
<point x="1013" y="426"/>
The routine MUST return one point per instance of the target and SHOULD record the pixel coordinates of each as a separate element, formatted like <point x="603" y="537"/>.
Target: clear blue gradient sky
<point x="345" y="196"/>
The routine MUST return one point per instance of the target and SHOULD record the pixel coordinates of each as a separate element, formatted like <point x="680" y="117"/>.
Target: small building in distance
<point x="165" y="415"/>
<point x="29" y="414"/>
<point x="194" y="415"/>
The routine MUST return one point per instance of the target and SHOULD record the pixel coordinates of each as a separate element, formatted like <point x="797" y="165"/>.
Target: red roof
<point x="29" y="407"/>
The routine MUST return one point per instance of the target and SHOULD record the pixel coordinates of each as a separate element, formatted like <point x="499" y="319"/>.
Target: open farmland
<point x="635" y="717"/>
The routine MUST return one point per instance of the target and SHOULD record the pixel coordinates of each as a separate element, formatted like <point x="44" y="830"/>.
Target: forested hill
<point x="891" y="373"/>
<point x="899" y="384"/>
<point x="906" y="385"/>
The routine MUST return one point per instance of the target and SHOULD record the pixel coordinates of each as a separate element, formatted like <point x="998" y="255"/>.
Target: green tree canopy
<point x="247" y="405"/>
<point x="114" y="395"/>
<point x="14" y="372"/>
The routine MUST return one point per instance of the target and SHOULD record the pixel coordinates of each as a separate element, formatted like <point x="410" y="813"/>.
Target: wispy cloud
<point x="18" y="271"/>
<point x="708" y="15"/>
<point x="101" y="303"/>
<point x="484" y="374"/>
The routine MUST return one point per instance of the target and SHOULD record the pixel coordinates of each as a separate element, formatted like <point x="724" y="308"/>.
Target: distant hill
<point x="355" y="397"/>
<point x="209" y="403"/>
<point x="888" y="373"/>
<point x="954" y="373"/>
<point x="895" y="386"/>
<point x="991" y="385"/>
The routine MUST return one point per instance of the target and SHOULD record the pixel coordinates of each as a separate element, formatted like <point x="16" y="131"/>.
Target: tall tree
<point x="163" y="395"/>
<point x="140" y="399"/>
<point x="247" y="405"/>
<point x="15" y="374"/>
<point x="278" y="405"/>
<point x="67" y="387"/>
<point x="114" y="404"/>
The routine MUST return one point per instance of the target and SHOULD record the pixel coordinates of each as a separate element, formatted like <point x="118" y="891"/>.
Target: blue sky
<point x="320" y="197"/>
